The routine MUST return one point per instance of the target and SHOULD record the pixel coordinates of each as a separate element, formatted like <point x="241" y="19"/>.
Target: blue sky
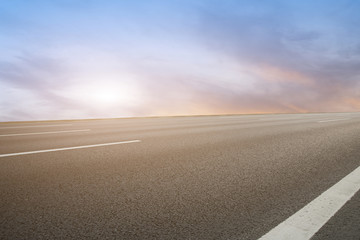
<point x="93" y="59"/>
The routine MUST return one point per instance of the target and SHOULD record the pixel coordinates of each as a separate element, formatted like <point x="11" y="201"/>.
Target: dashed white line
<point x="231" y="116"/>
<point x="40" y="133"/>
<point x="36" y="126"/>
<point x="308" y="220"/>
<point x="333" y="120"/>
<point x="276" y="119"/>
<point x="67" y="148"/>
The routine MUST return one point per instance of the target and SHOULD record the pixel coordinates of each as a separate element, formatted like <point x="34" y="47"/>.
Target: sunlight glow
<point x="106" y="94"/>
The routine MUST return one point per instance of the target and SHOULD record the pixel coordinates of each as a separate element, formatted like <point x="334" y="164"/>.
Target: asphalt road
<point x="206" y="177"/>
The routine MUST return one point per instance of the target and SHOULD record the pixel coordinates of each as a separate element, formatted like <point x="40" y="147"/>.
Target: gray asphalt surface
<point x="211" y="177"/>
<point x="345" y="224"/>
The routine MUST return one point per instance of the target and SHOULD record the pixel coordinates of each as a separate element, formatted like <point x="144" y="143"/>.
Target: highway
<point x="196" y="177"/>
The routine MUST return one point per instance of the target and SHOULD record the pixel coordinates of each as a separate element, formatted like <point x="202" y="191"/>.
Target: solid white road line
<point x="68" y="148"/>
<point x="333" y="120"/>
<point x="308" y="220"/>
<point x="40" y="133"/>
<point x="35" y="126"/>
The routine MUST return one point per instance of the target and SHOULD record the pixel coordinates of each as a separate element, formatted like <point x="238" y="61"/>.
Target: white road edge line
<point x="308" y="220"/>
<point x="35" y="126"/>
<point x="333" y="120"/>
<point x="67" y="148"/>
<point x="40" y="133"/>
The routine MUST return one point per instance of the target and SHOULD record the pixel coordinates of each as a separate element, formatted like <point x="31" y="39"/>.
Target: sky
<point x="71" y="59"/>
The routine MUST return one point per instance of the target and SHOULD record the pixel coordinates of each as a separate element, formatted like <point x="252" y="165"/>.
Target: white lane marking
<point x="229" y="117"/>
<point x="40" y="133"/>
<point x="67" y="148"/>
<point x="333" y="120"/>
<point x="35" y="126"/>
<point x="308" y="220"/>
<point x="242" y="118"/>
<point x="272" y="119"/>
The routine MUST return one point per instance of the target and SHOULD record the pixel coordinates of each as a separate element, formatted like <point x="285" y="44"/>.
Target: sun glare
<point x="109" y="96"/>
<point x="105" y="94"/>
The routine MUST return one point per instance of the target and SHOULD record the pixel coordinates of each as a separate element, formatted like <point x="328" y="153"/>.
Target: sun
<point x="105" y="94"/>
<point x="109" y="95"/>
<point x="115" y="94"/>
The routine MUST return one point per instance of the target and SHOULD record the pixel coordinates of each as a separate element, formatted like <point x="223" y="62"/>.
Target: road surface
<point x="204" y="177"/>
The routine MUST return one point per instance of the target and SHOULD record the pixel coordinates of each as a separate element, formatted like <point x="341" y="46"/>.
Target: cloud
<point x="292" y="65"/>
<point x="31" y="83"/>
<point x="203" y="57"/>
